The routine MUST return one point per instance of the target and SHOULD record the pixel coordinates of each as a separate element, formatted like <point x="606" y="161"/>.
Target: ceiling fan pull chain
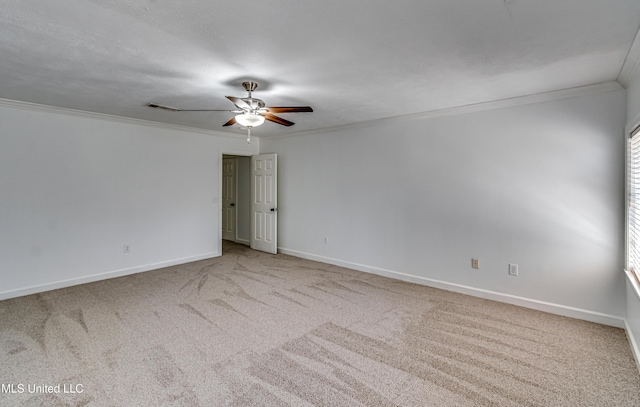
<point x="248" y="135"/>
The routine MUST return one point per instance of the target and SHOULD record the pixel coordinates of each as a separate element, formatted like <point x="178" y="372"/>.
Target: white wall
<point x="75" y="188"/>
<point x="540" y="185"/>
<point x="633" y="98"/>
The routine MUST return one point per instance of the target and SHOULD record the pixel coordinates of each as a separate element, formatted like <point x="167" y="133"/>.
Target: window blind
<point x="633" y="208"/>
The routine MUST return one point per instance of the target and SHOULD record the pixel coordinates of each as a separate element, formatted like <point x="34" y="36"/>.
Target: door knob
<point x="232" y="204"/>
<point x="273" y="209"/>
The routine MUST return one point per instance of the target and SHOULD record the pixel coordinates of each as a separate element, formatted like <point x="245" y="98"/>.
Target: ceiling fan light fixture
<point x="249" y="120"/>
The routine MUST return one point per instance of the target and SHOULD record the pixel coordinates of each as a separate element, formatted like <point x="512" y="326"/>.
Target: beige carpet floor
<point x="253" y="329"/>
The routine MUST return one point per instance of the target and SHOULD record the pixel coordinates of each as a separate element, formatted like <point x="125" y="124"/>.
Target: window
<point x="633" y="205"/>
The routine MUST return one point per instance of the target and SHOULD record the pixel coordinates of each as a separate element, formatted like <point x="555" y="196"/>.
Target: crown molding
<point x="596" y="88"/>
<point x="111" y="118"/>
<point x="457" y="110"/>
<point x="631" y="62"/>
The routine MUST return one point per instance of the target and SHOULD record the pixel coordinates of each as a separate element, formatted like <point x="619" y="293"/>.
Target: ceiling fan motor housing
<point x="254" y="103"/>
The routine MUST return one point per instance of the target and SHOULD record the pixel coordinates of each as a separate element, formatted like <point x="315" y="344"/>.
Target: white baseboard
<point x="4" y="295"/>
<point x="243" y="241"/>
<point x="557" y="309"/>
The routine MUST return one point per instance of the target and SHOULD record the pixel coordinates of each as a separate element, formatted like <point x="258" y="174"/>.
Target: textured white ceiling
<point x="352" y="61"/>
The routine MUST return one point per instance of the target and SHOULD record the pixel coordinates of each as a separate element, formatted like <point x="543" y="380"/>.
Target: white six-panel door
<point x="264" y="203"/>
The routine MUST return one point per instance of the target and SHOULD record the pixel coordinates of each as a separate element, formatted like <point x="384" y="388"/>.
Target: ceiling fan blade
<point x="230" y="122"/>
<point x="293" y="109"/>
<point x="239" y="102"/>
<point x="206" y="110"/>
<point x="175" y="109"/>
<point x="279" y="120"/>
<point x="157" y="106"/>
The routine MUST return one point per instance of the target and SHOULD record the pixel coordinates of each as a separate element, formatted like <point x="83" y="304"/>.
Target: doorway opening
<point x="248" y="192"/>
<point x="235" y="199"/>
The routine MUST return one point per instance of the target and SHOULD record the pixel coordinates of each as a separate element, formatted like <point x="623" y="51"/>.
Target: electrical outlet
<point x="475" y="264"/>
<point x="127" y="249"/>
<point x="513" y="269"/>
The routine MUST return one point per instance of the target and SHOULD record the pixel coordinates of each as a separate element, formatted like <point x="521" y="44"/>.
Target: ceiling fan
<point x="251" y="112"/>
